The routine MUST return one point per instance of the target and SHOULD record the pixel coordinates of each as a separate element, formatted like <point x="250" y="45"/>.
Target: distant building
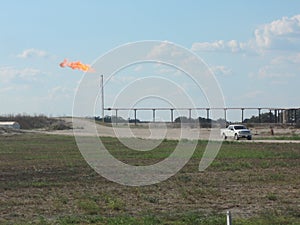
<point x="10" y="124"/>
<point x="291" y="116"/>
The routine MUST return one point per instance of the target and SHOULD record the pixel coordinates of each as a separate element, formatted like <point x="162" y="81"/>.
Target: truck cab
<point x="236" y="131"/>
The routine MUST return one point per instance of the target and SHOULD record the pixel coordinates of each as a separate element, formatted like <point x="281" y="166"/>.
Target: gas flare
<point x="77" y="66"/>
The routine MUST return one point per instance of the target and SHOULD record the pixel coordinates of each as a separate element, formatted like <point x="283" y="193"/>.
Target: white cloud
<point x="7" y="74"/>
<point x="220" y="45"/>
<point x="292" y="59"/>
<point x="271" y="71"/>
<point x="158" y="50"/>
<point x="13" y="88"/>
<point x="170" y="53"/>
<point x="138" y="68"/>
<point x="10" y="73"/>
<point x="31" y="53"/>
<point x="165" y="50"/>
<point x="122" y="79"/>
<point x="279" y="33"/>
<point x="282" y="34"/>
<point x="60" y="93"/>
<point x="279" y="68"/>
<point x="253" y="94"/>
<point x="6" y="89"/>
<point x="221" y="70"/>
<point x="29" y="73"/>
<point x="234" y="45"/>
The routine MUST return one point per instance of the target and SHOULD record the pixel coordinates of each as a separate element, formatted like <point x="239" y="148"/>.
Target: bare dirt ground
<point x="161" y="131"/>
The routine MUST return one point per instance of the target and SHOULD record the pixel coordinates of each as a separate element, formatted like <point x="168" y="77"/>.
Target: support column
<point x="207" y="113"/>
<point x="225" y="116"/>
<point x="190" y="115"/>
<point x="116" y="117"/>
<point x="135" y="116"/>
<point x="270" y="116"/>
<point x="242" y="114"/>
<point x="280" y="116"/>
<point x="259" y="115"/>
<point x="153" y="115"/>
<point x="172" y="115"/>
<point x="284" y="116"/>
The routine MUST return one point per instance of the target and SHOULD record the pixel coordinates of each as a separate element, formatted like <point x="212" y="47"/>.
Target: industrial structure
<point x="275" y="115"/>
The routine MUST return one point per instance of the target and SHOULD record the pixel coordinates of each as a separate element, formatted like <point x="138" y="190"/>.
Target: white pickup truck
<point x="236" y="131"/>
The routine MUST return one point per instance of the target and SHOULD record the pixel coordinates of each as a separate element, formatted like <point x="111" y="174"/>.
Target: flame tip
<point x="77" y="65"/>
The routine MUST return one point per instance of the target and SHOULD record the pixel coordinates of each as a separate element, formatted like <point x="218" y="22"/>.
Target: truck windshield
<point x="239" y="127"/>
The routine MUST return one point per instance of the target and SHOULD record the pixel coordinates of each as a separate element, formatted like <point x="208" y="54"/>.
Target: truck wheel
<point x="224" y="136"/>
<point x="236" y="137"/>
<point x="249" y="138"/>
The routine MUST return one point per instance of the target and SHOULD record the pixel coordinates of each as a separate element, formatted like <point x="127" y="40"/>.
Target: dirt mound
<point x="10" y="131"/>
<point x="38" y="122"/>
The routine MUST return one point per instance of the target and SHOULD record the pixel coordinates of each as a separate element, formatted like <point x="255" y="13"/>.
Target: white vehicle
<point x="236" y="131"/>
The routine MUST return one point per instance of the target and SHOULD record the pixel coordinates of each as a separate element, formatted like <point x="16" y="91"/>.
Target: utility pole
<point x="102" y="97"/>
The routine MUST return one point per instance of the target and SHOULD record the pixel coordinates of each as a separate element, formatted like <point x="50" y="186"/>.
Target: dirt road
<point x="162" y="131"/>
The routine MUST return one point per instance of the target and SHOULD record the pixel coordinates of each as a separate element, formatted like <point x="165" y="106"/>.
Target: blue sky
<point x="253" y="47"/>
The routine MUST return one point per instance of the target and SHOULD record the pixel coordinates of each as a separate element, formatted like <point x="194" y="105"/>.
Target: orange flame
<point x="77" y="65"/>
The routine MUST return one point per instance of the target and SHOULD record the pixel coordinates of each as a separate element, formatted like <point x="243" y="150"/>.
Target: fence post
<point x="229" y="220"/>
